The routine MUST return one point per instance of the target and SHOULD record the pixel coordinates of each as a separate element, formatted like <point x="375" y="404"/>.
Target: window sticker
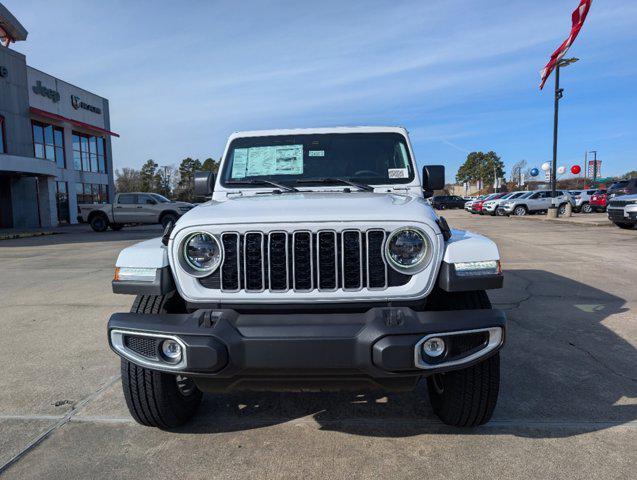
<point x="240" y="163"/>
<point x="264" y="161"/>
<point x="397" y="173"/>
<point x="316" y="153"/>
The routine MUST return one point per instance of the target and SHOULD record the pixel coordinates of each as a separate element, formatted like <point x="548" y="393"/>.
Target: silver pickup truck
<point x="132" y="208"/>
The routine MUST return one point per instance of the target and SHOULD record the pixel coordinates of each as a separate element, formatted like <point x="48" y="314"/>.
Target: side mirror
<point x="204" y="183"/>
<point x="433" y="178"/>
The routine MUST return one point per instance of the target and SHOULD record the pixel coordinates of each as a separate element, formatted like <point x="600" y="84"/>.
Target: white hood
<point x="310" y="207"/>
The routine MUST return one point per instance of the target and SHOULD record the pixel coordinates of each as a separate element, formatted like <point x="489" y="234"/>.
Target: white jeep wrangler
<point x="316" y="265"/>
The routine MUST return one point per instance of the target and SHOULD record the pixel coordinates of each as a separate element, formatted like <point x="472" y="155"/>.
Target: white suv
<point x="535" y="202"/>
<point x="582" y="200"/>
<point x="491" y="206"/>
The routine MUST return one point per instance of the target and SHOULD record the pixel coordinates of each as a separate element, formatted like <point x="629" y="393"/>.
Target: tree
<point x="166" y="179"/>
<point x="211" y="165"/>
<point x="149" y="177"/>
<point x="517" y="171"/>
<point x="481" y="166"/>
<point x="631" y="174"/>
<point x="128" y="180"/>
<point x="187" y="170"/>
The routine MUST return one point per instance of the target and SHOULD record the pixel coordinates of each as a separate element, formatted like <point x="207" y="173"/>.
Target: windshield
<point x="527" y="195"/>
<point x="619" y="184"/>
<point x="369" y="158"/>
<point x="160" y="198"/>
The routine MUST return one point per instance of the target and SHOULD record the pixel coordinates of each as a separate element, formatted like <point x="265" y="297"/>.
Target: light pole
<point x="558" y="94"/>
<point x="594" y="152"/>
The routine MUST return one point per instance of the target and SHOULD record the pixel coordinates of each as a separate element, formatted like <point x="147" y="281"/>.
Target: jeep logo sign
<point x="76" y="103"/>
<point x="4" y="71"/>
<point x="40" y="89"/>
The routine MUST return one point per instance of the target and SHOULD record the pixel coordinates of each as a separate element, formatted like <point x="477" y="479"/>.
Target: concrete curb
<point x="11" y="236"/>
<point x="596" y="223"/>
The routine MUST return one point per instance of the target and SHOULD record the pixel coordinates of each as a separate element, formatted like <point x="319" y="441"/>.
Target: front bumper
<point x="380" y="345"/>
<point x="622" y="214"/>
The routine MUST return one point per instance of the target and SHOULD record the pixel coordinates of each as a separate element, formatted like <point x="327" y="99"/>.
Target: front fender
<point x="148" y="254"/>
<point x="464" y="247"/>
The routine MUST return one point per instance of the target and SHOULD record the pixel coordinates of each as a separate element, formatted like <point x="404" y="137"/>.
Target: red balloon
<point x="575" y="169"/>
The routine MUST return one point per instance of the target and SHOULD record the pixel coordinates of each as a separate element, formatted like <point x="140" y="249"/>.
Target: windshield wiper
<point x="286" y="188"/>
<point x="360" y="186"/>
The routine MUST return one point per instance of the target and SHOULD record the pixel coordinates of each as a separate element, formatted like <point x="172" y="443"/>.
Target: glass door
<point x="62" y="200"/>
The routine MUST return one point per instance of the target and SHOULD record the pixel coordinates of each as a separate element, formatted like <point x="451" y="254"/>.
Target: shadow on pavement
<point x="563" y="373"/>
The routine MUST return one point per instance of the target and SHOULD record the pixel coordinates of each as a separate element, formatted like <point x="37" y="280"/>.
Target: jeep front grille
<point x="303" y="261"/>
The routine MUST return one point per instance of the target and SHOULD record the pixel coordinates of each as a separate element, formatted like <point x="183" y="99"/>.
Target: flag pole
<point x="558" y="95"/>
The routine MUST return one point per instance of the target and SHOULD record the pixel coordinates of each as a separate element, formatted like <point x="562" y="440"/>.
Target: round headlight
<point x="202" y="252"/>
<point x="407" y="250"/>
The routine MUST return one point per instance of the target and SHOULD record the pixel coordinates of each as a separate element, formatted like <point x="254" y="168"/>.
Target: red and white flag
<point x="578" y="17"/>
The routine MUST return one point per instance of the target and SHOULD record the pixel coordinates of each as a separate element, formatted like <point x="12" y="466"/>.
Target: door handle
<point x="140" y="206"/>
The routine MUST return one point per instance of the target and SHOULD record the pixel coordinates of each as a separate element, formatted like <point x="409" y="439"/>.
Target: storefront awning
<point x="55" y="116"/>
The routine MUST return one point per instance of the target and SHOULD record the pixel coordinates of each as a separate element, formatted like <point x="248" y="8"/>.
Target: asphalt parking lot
<point x="567" y="407"/>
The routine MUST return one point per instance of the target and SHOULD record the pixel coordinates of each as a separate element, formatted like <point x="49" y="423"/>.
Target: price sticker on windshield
<point x="316" y="153"/>
<point x="397" y="173"/>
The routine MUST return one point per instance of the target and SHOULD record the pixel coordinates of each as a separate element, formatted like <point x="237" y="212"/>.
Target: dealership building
<point x="55" y="141"/>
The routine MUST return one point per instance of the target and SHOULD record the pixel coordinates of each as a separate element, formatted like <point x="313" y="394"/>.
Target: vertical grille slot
<point x="231" y="263"/>
<point x="327" y="261"/>
<point x="376" y="267"/>
<point x="253" y="262"/>
<point x="352" y="260"/>
<point x="278" y="261"/>
<point x="302" y="264"/>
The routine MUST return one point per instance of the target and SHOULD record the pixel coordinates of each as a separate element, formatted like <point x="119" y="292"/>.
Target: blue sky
<point x="460" y="75"/>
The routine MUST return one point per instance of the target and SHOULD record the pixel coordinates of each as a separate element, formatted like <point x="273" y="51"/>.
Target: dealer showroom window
<point x="88" y="153"/>
<point x="48" y="143"/>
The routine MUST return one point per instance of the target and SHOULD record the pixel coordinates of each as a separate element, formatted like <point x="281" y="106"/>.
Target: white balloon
<point x="561" y="170"/>
<point x="546" y="166"/>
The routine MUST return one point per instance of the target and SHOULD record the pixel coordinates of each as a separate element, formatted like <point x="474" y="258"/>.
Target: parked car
<point x="582" y="200"/>
<point x="490" y="207"/>
<point x="476" y="207"/>
<point x="469" y="204"/>
<point x="598" y="201"/>
<point x="622" y="211"/>
<point x="442" y="202"/>
<point x="132" y="208"/>
<point x="314" y="278"/>
<point x="622" y="187"/>
<point x="538" y="201"/>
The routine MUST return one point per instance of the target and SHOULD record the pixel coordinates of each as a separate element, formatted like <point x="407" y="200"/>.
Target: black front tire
<point x="99" y="223"/>
<point x="158" y="399"/>
<point x="562" y="209"/>
<point x="168" y="218"/>
<point x="625" y="226"/>
<point x="520" y="211"/>
<point x="467" y="397"/>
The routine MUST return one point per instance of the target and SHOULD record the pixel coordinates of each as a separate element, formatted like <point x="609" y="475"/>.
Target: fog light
<point x="171" y="350"/>
<point x="433" y="347"/>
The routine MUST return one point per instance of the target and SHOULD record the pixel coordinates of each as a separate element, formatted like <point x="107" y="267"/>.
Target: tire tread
<point x="470" y="395"/>
<point x="152" y="397"/>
